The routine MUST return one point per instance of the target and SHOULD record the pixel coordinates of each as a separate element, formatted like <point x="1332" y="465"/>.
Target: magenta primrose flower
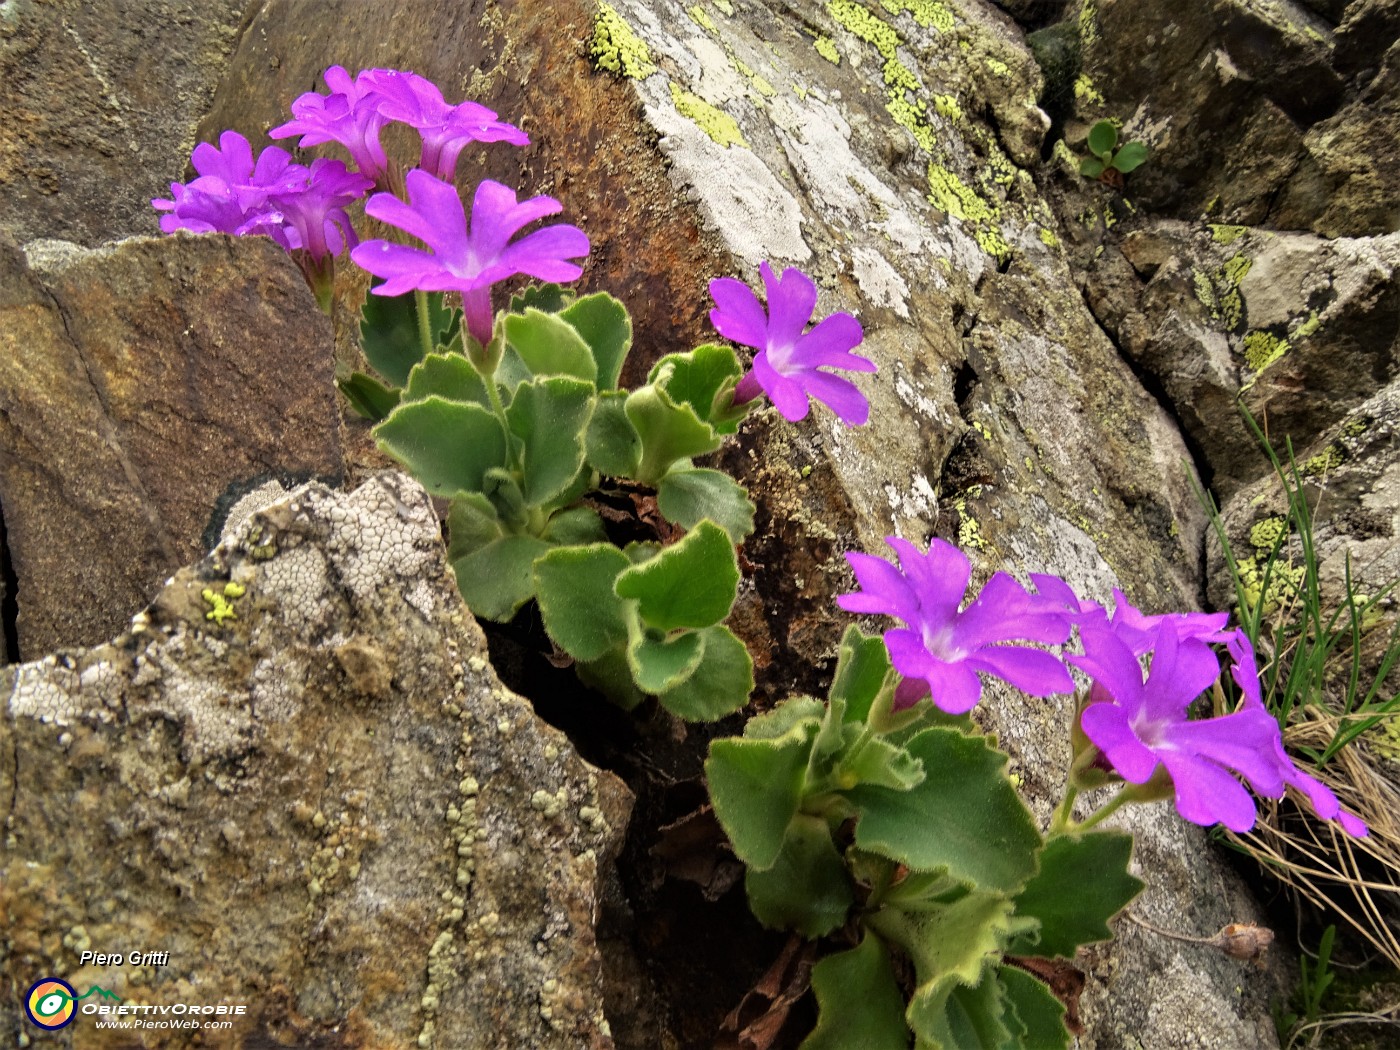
<point x="941" y="649"/>
<point x="445" y="129"/>
<point x="349" y="115"/>
<point x="231" y="193"/>
<point x="467" y="260"/>
<point x="789" y="364"/>
<point x="1140" y="723"/>
<point x="312" y="216"/>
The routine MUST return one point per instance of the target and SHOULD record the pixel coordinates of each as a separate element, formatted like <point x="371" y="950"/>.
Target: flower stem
<point x="425" y="328"/>
<point x="1063" y="819"/>
<point x="1105" y="811"/>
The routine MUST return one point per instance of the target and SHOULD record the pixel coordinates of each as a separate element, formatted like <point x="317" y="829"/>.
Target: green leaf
<point x="806" y="888"/>
<point x="1038" y="1014"/>
<point x="795" y="710"/>
<point x="1103" y="137"/>
<point x="575" y="590"/>
<point x="862" y="664"/>
<point x="389" y="332"/>
<point x="1082" y="883"/>
<point x="659" y="662"/>
<point x="968" y="1019"/>
<point x="368" y="396"/>
<point x="613" y="445"/>
<point x="756" y="787"/>
<point x="859" y="1004"/>
<point x="1130" y="157"/>
<point x="704" y="379"/>
<point x="450" y="376"/>
<point x="549" y="416"/>
<point x="952" y="945"/>
<point x="502" y="488"/>
<point x="689" y="494"/>
<point x="720" y="685"/>
<point x="611" y="675"/>
<point x="1091" y="167"/>
<point x="497" y="580"/>
<point x="551" y="298"/>
<point x="668" y="431"/>
<point x="606" y="328"/>
<point x="575" y="527"/>
<point x="472" y="523"/>
<point x="964" y="816"/>
<point x="883" y="764"/>
<point x="691" y="583"/>
<point x="550" y="346"/>
<point x="447" y="445"/>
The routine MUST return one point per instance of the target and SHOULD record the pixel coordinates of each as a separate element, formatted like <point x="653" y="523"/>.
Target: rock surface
<point x="297" y="774"/>
<point x="99" y="107"/>
<point x="140" y="385"/>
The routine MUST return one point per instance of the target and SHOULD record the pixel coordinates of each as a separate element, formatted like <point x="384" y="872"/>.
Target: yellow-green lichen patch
<point x="1088" y="25"/>
<point x="1048" y="238"/>
<point x="1354" y="428"/>
<point x="1261" y="349"/>
<point x="947" y="106"/>
<point x="702" y="18"/>
<point x="1222" y="234"/>
<point x="1384" y="737"/>
<point x="716" y="123"/>
<point x="1267" y="534"/>
<point x="1326" y="461"/>
<point x="1228" y="305"/>
<point x="826" y="47"/>
<point x="928" y="13"/>
<point x="900" y="81"/>
<point x="724" y="7"/>
<point x="615" y="48"/>
<point x="221" y="605"/>
<point x="760" y="84"/>
<point x="1283" y="585"/>
<point x="858" y="20"/>
<point x="999" y="68"/>
<point x="1085" y="91"/>
<point x="1308" y="327"/>
<point x="951" y="195"/>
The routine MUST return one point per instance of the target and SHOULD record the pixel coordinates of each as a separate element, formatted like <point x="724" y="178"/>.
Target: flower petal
<point x="791" y="300"/>
<point x="829" y="345"/>
<point x="840" y="395"/>
<point x="1108" y="727"/>
<point x="738" y="315"/>
<point x="1206" y="794"/>
<point x="1032" y="671"/>
<point x="885" y="589"/>
<point x="786" y="394"/>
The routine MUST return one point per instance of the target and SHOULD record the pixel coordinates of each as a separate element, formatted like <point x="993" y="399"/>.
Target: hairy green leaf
<point x="450" y="376"/>
<point x="669" y="432"/>
<point x="447" y="445"/>
<point x="1082" y="883"/>
<point x="496" y="580"/>
<point x="472" y="523"/>
<point x="607" y="329"/>
<point x="704" y="379"/>
<point x="756" y="787"/>
<point x="806" y="888"/>
<point x="550" y="346"/>
<point x="719" y="686"/>
<point x="1091" y="167"/>
<point x="550" y="298"/>
<point x="1103" y="137"/>
<point x="548" y="416"/>
<point x="689" y="494"/>
<point x="611" y="675"/>
<point x="691" y="583"/>
<point x="1130" y="157"/>
<point x="659" y="662"/>
<point x="613" y="445"/>
<point x="575" y="590"/>
<point x="859" y="1004"/>
<point x="1038" y="1015"/>
<point x="862" y="663"/>
<point x="575" y="527"/>
<point x="964" y="816"/>
<point x="368" y="396"/>
<point x="389" y="332"/>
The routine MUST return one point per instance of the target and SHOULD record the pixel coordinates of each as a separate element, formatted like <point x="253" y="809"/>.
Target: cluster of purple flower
<point x="303" y="208"/>
<point x="1137" y="720"/>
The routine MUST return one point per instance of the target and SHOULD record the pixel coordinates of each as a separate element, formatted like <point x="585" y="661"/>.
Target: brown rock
<point x="137" y="384"/>
<point x="99" y="107"/>
<point x="379" y="850"/>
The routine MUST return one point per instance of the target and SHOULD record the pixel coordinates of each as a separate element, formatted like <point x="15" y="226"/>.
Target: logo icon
<point x="50" y="1003"/>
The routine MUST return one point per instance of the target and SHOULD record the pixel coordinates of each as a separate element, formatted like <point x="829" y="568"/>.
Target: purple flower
<point x="1245" y="672"/>
<point x="348" y="115"/>
<point x="445" y="129"/>
<point x="1141" y="725"/>
<point x="312" y="216"/>
<point x="788" y="365"/>
<point x="468" y="261"/>
<point x="941" y="649"/>
<point x="231" y="193"/>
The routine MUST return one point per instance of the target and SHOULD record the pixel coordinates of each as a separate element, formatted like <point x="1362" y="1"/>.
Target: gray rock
<point x="297" y="774"/>
<point x="99" y="108"/>
<point x="139" y="384"/>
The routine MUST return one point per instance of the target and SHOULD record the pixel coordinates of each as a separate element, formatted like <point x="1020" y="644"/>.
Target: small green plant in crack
<point x="1110" y="161"/>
